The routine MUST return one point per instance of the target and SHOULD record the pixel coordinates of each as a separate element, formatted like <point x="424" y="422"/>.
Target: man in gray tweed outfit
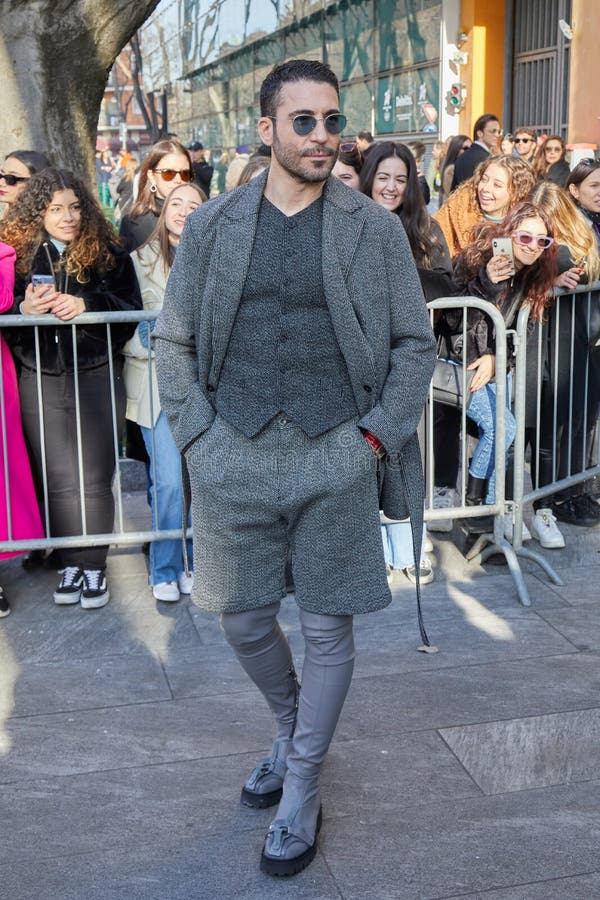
<point x="293" y="355"/>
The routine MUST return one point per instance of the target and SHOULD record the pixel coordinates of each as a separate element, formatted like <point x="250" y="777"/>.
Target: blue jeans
<point x="166" y="501"/>
<point x="482" y="410"/>
<point x="398" y="545"/>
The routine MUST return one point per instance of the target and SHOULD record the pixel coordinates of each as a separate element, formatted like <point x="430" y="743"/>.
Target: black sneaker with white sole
<point x="69" y="589"/>
<point x="95" y="592"/>
<point x="4" y="605"/>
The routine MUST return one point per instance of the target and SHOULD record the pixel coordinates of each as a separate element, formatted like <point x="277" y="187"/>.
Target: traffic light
<point x="455" y="98"/>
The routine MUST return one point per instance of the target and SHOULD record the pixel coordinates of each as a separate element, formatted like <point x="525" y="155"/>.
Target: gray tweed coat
<point x="376" y="306"/>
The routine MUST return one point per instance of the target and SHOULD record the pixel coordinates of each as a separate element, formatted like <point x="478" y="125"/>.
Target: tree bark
<point x="55" y="57"/>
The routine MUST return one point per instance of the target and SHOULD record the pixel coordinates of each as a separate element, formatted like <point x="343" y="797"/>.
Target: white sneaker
<point x="167" y="591"/>
<point x="508" y="529"/>
<point x="443" y="498"/>
<point x="545" y="529"/>
<point x="425" y="572"/>
<point x="427" y="544"/>
<point x="185" y="582"/>
<point x="94" y="593"/>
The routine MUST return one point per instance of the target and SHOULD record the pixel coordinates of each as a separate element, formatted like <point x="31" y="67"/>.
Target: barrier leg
<point x="478" y="546"/>
<point x="513" y="564"/>
<point x="542" y="563"/>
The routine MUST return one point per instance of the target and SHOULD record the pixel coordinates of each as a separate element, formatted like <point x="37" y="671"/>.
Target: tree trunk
<point x="55" y="57"/>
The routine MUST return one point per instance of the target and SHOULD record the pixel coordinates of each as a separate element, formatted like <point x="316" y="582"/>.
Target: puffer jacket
<point x="106" y="290"/>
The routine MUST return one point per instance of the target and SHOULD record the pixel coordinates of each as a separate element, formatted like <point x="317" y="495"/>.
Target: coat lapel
<point x="343" y="224"/>
<point x="234" y="241"/>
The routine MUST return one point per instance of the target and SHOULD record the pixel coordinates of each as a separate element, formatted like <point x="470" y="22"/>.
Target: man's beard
<point x="310" y="172"/>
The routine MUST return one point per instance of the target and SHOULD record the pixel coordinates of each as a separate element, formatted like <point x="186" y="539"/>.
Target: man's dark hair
<point x="293" y="70"/>
<point x="365" y="136"/>
<point x="481" y="122"/>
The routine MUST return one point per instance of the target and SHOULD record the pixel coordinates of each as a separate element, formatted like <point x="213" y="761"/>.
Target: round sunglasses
<point x="526" y="238"/>
<point x="304" y="123"/>
<point x="169" y="174"/>
<point x="524" y="140"/>
<point x="13" y="179"/>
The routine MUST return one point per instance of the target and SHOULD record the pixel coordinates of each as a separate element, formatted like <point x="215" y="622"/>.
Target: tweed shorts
<point x="254" y="500"/>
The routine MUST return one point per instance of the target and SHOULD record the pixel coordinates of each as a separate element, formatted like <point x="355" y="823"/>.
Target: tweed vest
<point x="283" y="356"/>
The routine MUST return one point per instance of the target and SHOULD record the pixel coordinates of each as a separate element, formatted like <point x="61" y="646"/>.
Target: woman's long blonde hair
<point x="160" y="236"/>
<point x="570" y="228"/>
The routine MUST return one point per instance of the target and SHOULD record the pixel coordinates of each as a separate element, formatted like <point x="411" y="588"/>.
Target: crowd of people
<point x="61" y="255"/>
<point x="285" y="376"/>
<point x="553" y="226"/>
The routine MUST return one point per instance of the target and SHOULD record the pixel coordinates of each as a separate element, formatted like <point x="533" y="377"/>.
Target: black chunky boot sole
<point x="260" y="801"/>
<point x="283" y="868"/>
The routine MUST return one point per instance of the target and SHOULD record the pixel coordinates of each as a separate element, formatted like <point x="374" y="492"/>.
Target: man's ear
<point x="265" y="128"/>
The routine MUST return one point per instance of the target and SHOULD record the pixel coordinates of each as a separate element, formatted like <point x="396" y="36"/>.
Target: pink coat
<point x="24" y="509"/>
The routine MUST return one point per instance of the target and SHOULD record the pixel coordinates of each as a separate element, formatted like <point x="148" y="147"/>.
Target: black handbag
<point x="449" y="385"/>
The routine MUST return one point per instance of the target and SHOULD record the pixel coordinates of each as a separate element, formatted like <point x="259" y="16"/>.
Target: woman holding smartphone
<point x="59" y="233"/>
<point x="506" y="281"/>
<point x="153" y="262"/>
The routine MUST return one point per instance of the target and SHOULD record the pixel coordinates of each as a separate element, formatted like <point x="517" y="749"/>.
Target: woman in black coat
<point x="69" y="262"/>
<point x="550" y="163"/>
<point x="507" y="283"/>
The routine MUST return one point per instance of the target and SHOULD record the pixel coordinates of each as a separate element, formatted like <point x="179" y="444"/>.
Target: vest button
<point x="210" y="388"/>
<point x="368" y="388"/>
<point x="283" y="337"/>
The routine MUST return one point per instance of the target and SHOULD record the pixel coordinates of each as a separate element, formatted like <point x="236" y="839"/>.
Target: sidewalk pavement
<point x="127" y="732"/>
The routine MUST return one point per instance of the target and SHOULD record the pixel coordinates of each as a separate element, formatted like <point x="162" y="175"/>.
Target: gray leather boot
<point x="263" y="651"/>
<point x="291" y="842"/>
<point x="264" y="786"/>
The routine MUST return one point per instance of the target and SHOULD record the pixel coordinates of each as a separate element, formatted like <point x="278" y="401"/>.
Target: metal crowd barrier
<point x="582" y="416"/>
<point x="484" y="547"/>
<point x="573" y="309"/>
<point x="119" y="536"/>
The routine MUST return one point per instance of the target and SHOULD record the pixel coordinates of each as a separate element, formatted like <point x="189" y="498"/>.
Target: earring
<point x="153" y="188"/>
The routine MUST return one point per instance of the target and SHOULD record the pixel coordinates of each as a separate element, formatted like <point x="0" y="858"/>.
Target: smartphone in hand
<point x="502" y="246"/>
<point x="37" y="280"/>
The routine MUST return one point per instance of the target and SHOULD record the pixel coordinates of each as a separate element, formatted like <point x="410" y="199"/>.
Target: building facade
<point x="407" y="68"/>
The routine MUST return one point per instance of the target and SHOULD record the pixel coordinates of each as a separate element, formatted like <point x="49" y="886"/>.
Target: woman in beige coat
<point x="152" y="263"/>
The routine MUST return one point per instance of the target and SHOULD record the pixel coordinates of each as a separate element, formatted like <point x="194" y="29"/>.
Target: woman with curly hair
<point x="550" y="163"/>
<point x="167" y="165"/>
<point x="506" y="282"/>
<point x="498" y="184"/>
<point x="68" y="263"/>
